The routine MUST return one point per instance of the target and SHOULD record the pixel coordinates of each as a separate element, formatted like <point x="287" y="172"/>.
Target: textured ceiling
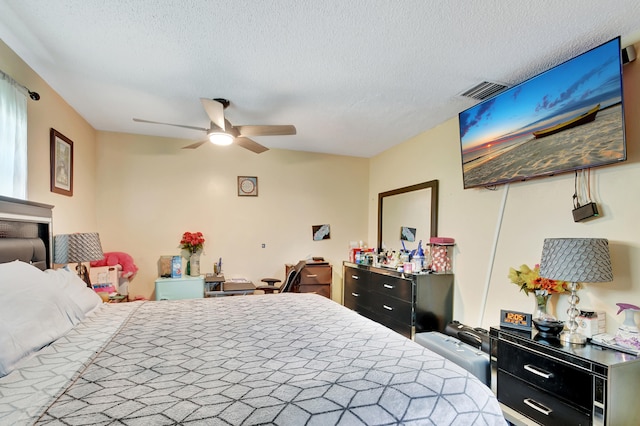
<point x="355" y="77"/>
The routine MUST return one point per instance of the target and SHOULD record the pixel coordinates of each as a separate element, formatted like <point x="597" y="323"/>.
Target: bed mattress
<point x="39" y="379"/>
<point x="284" y="359"/>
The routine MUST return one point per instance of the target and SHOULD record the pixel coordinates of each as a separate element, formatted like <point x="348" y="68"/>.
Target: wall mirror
<point x="413" y="207"/>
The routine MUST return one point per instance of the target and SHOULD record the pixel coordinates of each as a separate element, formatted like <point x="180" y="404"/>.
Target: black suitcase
<point x="476" y="337"/>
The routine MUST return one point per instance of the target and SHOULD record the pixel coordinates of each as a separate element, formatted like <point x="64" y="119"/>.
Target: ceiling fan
<point x="222" y="132"/>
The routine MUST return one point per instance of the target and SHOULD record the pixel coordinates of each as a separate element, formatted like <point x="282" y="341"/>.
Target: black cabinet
<point x="406" y="303"/>
<point x="558" y="383"/>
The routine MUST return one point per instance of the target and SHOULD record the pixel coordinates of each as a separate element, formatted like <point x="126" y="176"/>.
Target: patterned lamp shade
<point x="76" y="248"/>
<point x="578" y="260"/>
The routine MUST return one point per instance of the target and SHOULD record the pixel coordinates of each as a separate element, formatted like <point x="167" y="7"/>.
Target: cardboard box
<point x="164" y="266"/>
<point x="591" y="322"/>
<point x="109" y="279"/>
<point x="176" y="267"/>
<point x="104" y="278"/>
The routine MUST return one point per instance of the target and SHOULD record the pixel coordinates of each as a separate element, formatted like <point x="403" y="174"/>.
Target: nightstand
<point x="180" y="288"/>
<point x="315" y="277"/>
<point x="555" y="383"/>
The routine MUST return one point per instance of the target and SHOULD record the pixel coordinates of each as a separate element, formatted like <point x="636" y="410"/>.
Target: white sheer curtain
<point x="13" y="139"/>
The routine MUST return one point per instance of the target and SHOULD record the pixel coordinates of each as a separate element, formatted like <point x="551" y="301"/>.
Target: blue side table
<point x="180" y="288"/>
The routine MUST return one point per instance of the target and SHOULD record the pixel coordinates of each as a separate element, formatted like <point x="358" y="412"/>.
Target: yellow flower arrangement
<point x="529" y="280"/>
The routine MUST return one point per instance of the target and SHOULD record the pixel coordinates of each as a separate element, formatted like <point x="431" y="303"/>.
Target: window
<point x="13" y="139"/>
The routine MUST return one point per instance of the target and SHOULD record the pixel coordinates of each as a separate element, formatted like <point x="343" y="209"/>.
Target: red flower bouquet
<point x="192" y="241"/>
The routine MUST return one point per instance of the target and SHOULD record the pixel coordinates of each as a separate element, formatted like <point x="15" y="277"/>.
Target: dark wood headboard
<point x="26" y="232"/>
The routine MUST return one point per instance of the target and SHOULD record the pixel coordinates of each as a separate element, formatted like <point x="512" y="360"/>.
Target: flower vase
<point x="194" y="264"/>
<point x="542" y="308"/>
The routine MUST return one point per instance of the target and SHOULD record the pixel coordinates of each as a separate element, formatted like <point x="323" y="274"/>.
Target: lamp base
<point x="572" y="337"/>
<point x="83" y="273"/>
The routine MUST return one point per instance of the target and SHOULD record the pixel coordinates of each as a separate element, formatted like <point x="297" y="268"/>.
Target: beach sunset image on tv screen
<point x="567" y="118"/>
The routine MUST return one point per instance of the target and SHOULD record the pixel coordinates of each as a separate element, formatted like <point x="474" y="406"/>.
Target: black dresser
<point x="562" y="384"/>
<point x="406" y="303"/>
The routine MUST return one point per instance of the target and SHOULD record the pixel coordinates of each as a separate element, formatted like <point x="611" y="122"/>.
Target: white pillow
<point x="33" y="312"/>
<point x="71" y="285"/>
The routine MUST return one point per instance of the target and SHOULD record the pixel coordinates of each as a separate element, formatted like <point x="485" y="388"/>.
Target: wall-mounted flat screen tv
<point x="567" y="118"/>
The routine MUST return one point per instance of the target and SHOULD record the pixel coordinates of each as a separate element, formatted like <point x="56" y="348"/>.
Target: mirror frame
<point x="432" y="184"/>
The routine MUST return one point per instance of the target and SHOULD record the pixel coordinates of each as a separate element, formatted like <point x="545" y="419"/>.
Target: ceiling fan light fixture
<point x="220" y="138"/>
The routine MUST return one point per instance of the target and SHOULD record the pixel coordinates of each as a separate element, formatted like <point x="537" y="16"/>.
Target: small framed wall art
<point x="321" y="232"/>
<point x="61" y="153"/>
<point x="247" y="186"/>
<point x="408" y="234"/>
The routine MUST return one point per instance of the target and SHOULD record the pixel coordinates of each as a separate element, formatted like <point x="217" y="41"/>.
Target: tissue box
<point x="591" y="322"/>
<point x="176" y="267"/>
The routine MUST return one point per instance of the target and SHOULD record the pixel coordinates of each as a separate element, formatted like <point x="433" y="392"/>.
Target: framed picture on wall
<point x="247" y="186"/>
<point x="61" y="153"/>
<point x="321" y="232"/>
<point x="407" y="234"/>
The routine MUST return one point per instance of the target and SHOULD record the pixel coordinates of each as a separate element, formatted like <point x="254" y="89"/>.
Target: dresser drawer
<point x="392" y="287"/>
<point x="321" y="289"/>
<point x="399" y="327"/>
<point x="546" y="373"/>
<point x="396" y="309"/>
<point x="355" y="294"/>
<point x="354" y="276"/>
<point x="317" y="274"/>
<point x="540" y="406"/>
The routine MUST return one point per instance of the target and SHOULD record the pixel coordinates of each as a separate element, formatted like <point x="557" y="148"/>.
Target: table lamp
<point x="79" y="247"/>
<point x="584" y="260"/>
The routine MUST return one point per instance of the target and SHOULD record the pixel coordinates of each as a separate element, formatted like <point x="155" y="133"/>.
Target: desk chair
<point x="290" y="283"/>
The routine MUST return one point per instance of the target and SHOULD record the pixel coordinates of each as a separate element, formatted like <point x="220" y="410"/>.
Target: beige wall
<point x="150" y="191"/>
<point x="71" y="214"/>
<point x="141" y="193"/>
<point x="534" y="210"/>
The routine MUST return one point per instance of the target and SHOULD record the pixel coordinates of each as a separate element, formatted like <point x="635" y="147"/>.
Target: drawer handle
<point x="312" y="275"/>
<point x="537" y="406"/>
<point x="388" y="308"/>
<point x="355" y="277"/>
<point x="355" y="294"/>
<point x="530" y="368"/>
<point x="389" y="286"/>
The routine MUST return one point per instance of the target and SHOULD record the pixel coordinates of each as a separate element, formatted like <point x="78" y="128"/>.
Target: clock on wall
<point x="247" y="186"/>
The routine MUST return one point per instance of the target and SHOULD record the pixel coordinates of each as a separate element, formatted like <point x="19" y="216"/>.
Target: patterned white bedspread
<point x="283" y="359"/>
<point x="27" y="391"/>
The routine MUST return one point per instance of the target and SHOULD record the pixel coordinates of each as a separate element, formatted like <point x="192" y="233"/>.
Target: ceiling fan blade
<point x="266" y="130"/>
<point x="139" y="120"/>
<point x="215" y="111"/>
<point x="195" y="145"/>
<point x="250" y="145"/>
